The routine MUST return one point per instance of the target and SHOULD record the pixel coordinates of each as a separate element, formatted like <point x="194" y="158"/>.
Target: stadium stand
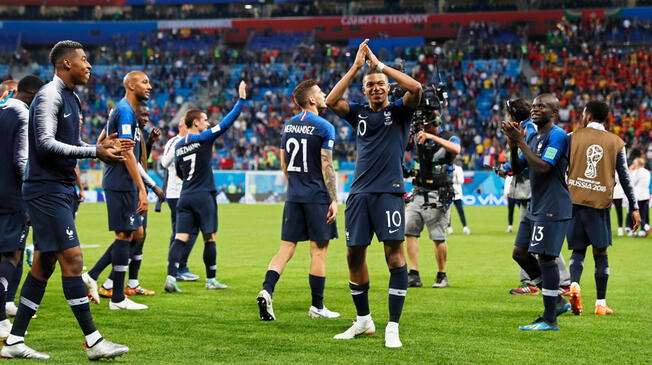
<point x="486" y="64"/>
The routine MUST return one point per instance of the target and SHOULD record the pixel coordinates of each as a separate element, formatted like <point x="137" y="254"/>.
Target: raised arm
<point x="414" y="90"/>
<point x="334" y="99"/>
<point x="227" y="122"/>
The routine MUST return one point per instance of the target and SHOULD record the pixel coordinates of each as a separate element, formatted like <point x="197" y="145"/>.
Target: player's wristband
<point x="380" y="66"/>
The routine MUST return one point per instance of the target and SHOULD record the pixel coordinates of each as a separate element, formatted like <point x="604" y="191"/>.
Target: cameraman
<point x="432" y="195"/>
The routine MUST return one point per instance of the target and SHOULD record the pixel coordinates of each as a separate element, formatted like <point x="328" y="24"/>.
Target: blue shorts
<point x="306" y="221"/>
<point x="13" y="232"/>
<point x="379" y="213"/>
<point x="197" y="211"/>
<point x="542" y="237"/>
<point x="589" y="226"/>
<point x="122" y="206"/>
<point x="53" y="222"/>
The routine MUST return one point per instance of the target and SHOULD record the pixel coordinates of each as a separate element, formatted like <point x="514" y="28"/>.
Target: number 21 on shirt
<point x="293" y="146"/>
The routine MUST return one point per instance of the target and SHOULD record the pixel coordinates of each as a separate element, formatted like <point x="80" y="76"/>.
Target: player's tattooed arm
<point x="328" y="171"/>
<point x="334" y="99"/>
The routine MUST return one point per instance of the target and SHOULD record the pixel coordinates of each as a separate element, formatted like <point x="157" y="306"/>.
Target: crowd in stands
<point x="203" y="10"/>
<point x="571" y="62"/>
<point x="479" y="5"/>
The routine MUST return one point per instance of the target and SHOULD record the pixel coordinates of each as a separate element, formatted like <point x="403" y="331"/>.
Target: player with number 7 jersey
<point x="197" y="209"/>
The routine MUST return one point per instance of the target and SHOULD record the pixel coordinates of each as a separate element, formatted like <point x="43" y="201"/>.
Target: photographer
<point x="432" y="194"/>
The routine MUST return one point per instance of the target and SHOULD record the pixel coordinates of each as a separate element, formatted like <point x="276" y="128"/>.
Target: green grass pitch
<point x="475" y="320"/>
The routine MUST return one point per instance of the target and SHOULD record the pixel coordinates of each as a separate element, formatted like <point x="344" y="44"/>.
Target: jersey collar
<point x="60" y="82"/>
<point x="304" y="115"/>
<point x="596" y="125"/>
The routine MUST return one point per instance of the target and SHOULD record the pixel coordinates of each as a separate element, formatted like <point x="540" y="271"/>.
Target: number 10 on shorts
<point x="393" y="219"/>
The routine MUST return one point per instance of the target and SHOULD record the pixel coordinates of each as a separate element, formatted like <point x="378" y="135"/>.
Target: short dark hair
<point x="599" y="110"/>
<point x="190" y="116"/>
<point x="372" y="71"/>
<point x="300" y="93"/>
<point x="519" y="109"/>
<point x="30" y="84"/>
<point x="61" y="49"/>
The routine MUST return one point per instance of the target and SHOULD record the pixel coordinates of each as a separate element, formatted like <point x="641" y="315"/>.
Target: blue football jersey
<point x="550" y="197"/>
<point x="14" y="116"/>
<point x="304" y="136"/>
<point x="122" y="120"/>
<point x="380" y="143"/>
<point x="54" y="141"/>
<point x="194" y="152"/>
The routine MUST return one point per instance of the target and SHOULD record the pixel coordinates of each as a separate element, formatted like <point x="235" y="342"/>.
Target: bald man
<point x="7" y="89"/>
<point x="125" y="193"/>
<point x="543" y="230"/>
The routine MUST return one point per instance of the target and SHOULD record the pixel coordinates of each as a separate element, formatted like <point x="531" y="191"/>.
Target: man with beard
<point x="311" y="205"/>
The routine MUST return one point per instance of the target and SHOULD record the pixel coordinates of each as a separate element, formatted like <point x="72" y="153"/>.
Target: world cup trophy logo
<point x="593" y="155"/>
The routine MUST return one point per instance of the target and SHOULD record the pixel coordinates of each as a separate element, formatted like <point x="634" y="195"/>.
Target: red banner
<point x="408" y="25"/>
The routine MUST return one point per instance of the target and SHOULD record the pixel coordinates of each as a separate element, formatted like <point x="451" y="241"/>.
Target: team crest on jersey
<point x="70" y="233"/>
<point x="388" y="117"/>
